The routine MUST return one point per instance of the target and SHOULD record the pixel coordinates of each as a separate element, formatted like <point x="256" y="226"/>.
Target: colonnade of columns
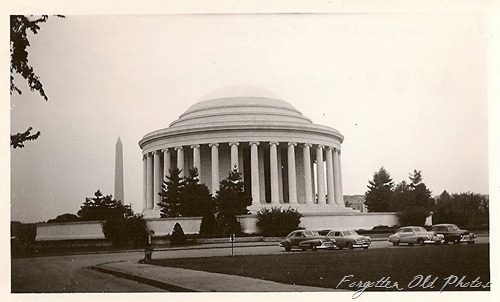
<point x="326" y="182"/>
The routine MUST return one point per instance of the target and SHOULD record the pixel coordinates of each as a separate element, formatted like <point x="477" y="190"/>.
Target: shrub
<point x="228" y="224"/>
<point x="412" y="216"/>
<point x="278" y="221"/>
<point x="208" y="226"/>
<point x="122" y="230"/>
<point x="178" y="237"/>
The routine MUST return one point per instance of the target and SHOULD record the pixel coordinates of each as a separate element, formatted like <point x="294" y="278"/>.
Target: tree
<point x="64" y="218"/>
<point x="414" y="200"/>
<point x="464" y="209"/>
<point x="121" y="230"/>
<point x="19" y="28"/>
<point x="231" y="197"/>
<point x="170" y="203"/>
<point x="208" y="226"/>
<point x="278" y="221"/>
<point x="379" y="194"/>
<point x="178" y="237"/>
<point x="102" y="208"/>
<point x="195" y="198"/>
<point x="231" y="200"/>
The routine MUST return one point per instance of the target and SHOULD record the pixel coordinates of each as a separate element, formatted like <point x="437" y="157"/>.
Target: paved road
<point x="70" y="274"/>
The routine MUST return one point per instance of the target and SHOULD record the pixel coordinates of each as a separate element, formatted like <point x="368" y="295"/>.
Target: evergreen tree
<point x="195" y="198"/>
<point x="231" y="200"/>
<point x="414" y="201"/>
<point x="170" y="203"/>
<point x="178" y="237"/>
<point x="208" y="226"/>
<point x="464" y="209"/>
<point x="102" y="207"/>
<point x="378" y="198"/>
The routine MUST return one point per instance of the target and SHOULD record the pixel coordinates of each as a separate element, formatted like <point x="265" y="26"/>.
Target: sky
<point x="407" y="91"/>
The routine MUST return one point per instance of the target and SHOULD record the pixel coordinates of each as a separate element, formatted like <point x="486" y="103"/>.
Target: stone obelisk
<point x="119" y="195"/>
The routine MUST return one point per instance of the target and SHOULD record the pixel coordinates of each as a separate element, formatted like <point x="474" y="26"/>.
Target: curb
<point x="148" y="281"/>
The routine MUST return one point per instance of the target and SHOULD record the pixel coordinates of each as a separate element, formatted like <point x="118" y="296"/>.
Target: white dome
<point x="240" y="109"/>
<point x="239" y="91"/>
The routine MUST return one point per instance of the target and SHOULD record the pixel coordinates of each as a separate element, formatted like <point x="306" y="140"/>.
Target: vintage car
<point x="307" y="239"/>
<point x="349" y="239"/>
<point x="415" y="235"/>
<point x="452" y="233"/>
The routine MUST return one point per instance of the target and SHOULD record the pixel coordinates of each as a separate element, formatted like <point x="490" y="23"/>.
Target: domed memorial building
<point x="284" y="158"/>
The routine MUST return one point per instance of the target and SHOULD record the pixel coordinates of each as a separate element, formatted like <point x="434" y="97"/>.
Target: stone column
<point x="331" y="193"/>
<point x="145" y="181"/>
<point x="320" y="167"/>
<point x="157" y="178"/>
<point x="234" y="155"/>
<point x="215" y="167"/>
<point x="167" y="163"/>
<point x="292" y="175"/>
<point x="180" y="160"/>
<point x="254" y="170"/>
<point x="338" y="174"/>
<point x="196" y="159"/>
<point x="262" y="179"/>
<point x="273" y="161"/>
<point x="281" y="197"/>
<point x="149" y="181"/>
<point x="307" y="174"/>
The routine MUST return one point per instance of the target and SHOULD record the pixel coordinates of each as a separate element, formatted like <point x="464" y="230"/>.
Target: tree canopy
<point x="170" y="203"/>
<point x="231" y="200"/>
<point x="20" y="26"/>
<point x="413" y="201"/>
<point x="102" y="208"/>
<point x="195" y="197"/>
<point x="464" y="209"/>
<point x="378" y="198"/>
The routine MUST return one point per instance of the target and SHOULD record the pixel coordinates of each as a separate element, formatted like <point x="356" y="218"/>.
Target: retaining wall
<point x="191" y="225"/>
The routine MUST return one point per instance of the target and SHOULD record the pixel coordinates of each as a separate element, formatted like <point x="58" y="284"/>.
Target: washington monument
<point x="119" y="171"/>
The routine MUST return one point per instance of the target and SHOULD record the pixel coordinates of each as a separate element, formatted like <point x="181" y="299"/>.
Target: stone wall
<point x="69" y="231"/>
<point x="191" y="225"/>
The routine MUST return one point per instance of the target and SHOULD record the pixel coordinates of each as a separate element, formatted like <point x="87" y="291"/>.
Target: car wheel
<point x="445" y="242"/>
<point x="313" y="247"/>
<point x="395" y="243"/>
<point x="420" y="241"/>
<point x="287" y="247"/>
<point x="471" y="242"/>
<point x="456" y="241"/>
<point x="349" y="245"/>
<point x="365" y="247"/>
<point x="410" y="244"/>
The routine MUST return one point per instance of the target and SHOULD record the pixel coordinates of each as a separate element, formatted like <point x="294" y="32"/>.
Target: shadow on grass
<point x="446" y="268"/>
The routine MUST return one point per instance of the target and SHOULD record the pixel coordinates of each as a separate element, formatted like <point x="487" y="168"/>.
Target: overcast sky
<point x="408" y="91"/>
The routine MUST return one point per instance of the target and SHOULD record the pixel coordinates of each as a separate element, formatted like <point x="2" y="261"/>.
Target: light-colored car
<point x="307" y="239"/>
<point x="349" y="239"/>
<point x="415" y="235"/>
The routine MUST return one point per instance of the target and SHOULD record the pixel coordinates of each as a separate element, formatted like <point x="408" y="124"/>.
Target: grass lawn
<point x="332" y="269"/>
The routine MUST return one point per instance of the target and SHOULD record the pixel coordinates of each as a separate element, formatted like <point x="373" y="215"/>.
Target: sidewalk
<point x="184" y="280"/>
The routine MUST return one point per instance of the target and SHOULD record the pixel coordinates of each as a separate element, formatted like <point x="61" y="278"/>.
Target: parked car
<point x="349" y="239"/>
<point x="452" y="233"/>
<point x="307" y="239"/>
<point x="415" y="235"/>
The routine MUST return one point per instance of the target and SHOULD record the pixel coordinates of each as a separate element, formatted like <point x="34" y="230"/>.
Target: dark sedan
<point x="452" y="233"/>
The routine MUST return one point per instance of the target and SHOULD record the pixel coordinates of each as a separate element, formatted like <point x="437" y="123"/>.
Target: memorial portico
<point x="285" y="160"/>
